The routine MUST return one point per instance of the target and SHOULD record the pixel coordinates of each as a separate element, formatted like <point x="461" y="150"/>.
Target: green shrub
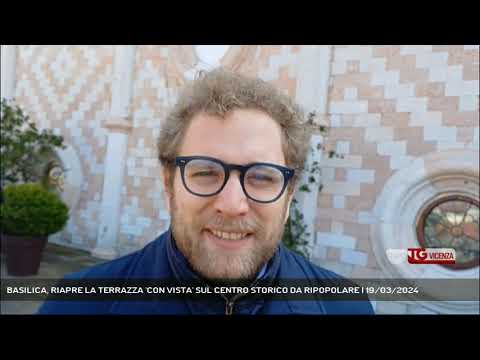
<point x="31" y="210"/>
<point x="25" y="151"/>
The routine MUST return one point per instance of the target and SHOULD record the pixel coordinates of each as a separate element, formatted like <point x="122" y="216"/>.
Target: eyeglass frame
<point x="182" y="161"/>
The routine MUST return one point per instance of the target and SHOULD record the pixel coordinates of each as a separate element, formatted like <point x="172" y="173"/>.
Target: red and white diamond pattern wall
<point x="388" y="105"/>
<point x="143" y="214"/>
<point x="67" y="89"/>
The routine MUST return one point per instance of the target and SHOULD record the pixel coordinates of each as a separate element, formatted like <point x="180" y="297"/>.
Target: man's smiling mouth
<point x="229" y="239"/>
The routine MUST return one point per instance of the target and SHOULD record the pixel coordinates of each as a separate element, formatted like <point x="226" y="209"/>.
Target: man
<point x="231" y="150"/>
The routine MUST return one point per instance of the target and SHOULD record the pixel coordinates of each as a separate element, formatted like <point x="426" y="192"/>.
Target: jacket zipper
<point x="229" y="304"/>
<point x="229" y="307"/>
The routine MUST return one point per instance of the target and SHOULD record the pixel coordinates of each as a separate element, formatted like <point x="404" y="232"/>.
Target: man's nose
<point x="232" y="201"/>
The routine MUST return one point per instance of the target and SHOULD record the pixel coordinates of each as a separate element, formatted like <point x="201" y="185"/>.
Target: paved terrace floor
<point x="57" y="261"/>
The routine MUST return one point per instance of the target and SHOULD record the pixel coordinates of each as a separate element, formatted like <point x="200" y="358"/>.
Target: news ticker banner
<point x="283" y="289"/>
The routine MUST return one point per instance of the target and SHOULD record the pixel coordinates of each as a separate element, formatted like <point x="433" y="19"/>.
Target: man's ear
<point x="166" y="177"/>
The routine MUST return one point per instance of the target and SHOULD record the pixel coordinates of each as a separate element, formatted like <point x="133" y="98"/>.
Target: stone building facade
<point x="404" y="118"/>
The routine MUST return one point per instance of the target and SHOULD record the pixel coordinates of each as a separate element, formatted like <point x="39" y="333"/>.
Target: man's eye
<point x="206" y="173"/>
<point x="260" y="178"/>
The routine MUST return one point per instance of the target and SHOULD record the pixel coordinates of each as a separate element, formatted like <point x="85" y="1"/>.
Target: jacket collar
<point x="183" y="272"/>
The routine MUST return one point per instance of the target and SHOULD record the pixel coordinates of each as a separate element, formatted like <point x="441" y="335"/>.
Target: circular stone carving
<point x="405" y="196"/>
<point x="452" y="222"/>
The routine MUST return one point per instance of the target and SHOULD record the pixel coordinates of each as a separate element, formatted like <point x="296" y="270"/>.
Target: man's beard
<point x="214" y="263"/>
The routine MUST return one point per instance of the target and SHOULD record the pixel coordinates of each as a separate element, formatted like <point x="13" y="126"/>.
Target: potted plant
<point x="26" y="153"/>
<point x="28" y="215"/>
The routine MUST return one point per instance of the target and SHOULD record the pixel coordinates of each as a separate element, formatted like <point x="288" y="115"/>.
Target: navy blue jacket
<point x="161" y="259"/>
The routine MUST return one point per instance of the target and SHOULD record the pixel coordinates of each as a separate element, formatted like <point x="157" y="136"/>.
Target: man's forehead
<point x="237" y="118"/>
<point x="243" y="136"/>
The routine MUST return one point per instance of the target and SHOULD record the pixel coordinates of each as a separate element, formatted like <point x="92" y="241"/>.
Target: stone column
<point x="8" y="75"/>
<point x="312" y="94"/>
<point x="119" y="126"/>
<point x="313" y="77"/>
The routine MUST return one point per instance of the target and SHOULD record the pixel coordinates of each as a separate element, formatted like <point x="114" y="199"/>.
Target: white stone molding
<point x="312" y="90"/>
<point x="8" y="71"/>
<point x="119" y="125"/>
<point x="307" y="201"/>
<point x="313" y="76"/>
<point x="122" y="80"/>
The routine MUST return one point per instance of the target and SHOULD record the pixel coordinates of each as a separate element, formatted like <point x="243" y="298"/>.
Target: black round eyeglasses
<point x="207" y="176"/>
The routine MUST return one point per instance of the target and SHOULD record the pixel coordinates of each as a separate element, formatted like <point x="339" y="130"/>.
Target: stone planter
<point x="23" y="253"/>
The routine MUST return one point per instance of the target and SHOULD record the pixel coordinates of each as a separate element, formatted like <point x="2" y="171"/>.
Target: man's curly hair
<point x="219" y="92"/>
